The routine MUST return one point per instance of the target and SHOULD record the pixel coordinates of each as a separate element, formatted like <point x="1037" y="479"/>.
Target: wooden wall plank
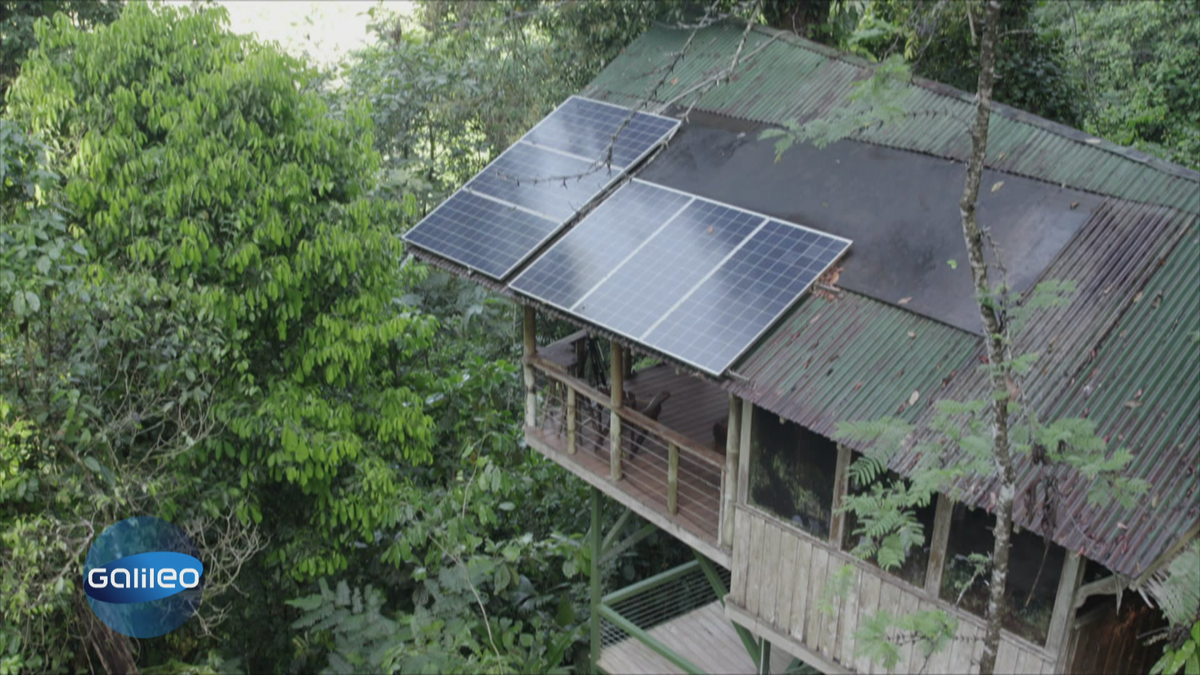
<point x="829" y="622"/>
<point x="908" y="604"/>
<point x="963" y="647"/>
<point x="800" y="590"/>
<point x="816" y="593"/>
<point x="754" y="571"/>
<point x="939" y="662"/>
<point x="787" y="581"/>
<point x="768" y="553"/>
<point x="1006" y="658"/>
<point x="889" y="600"/>
<point x="868" y="604"/>
<point x="849" y="621"/>
<point x="742" y="556"/>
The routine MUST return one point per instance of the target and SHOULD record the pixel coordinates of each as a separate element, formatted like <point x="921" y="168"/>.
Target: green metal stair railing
<point x="631" y="612"/>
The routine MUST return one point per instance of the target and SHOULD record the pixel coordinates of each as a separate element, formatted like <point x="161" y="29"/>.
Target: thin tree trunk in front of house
<point x="997" y="349"/>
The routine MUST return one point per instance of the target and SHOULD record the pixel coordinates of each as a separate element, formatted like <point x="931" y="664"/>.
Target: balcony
<point x="668" y="466"/>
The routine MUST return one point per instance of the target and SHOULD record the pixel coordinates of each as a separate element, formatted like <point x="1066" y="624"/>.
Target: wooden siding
<point x="784" y="579"/>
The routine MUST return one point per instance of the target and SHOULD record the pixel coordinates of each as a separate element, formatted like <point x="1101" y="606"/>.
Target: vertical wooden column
<point x="594" y="656"/>
<point x="529" y="337"/>
<point x="938" y="539"/>
<point x="841" y="483"/>
<point x="572" y="411"/>
<point x="617" y="381"/>
<point x="744" y="450"/>
<point x="627" y="363"/>
<point x="1064" y="601"/>
<point x="673" y="478"/>
<point x="733" y="439"/>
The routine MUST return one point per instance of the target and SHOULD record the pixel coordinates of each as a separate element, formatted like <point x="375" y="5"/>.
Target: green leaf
<point x="91" y="463"/>
<point x="43" y="265"/>
<point x="33" y="302"/>
<point x="953" y="264"/>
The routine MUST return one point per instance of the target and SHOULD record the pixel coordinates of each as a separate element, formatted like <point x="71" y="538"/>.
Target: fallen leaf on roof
<point x="858" y="386"/>
<point x="710" y="229"/>
<point x="814" y="319"/>
<point x="1138" y="394"/>
<point x="675" y="80"/>
<point x="905" y="301"/>
<point x="1133" y="404"/>
<point x="916" y="395"/>
<point x="1138" y="297"/>
<point x="1074" y="205"/>
<point x="997" y="185"/>
<point x="911" y="335"/>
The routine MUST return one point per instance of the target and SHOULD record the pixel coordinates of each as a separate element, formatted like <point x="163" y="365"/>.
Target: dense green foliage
<point x="17" y="18"/>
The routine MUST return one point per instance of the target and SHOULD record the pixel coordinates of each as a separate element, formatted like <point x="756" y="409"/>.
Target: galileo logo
<point x="143" y="577"/>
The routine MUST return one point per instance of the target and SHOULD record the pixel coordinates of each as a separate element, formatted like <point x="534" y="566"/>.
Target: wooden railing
<point x="654" y="458"/>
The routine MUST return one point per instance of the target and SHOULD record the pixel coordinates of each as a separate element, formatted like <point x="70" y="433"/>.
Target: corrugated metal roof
<point x="850" y="357"/>
<point x="1131" y="327"/>
<point x="794" y="79"/>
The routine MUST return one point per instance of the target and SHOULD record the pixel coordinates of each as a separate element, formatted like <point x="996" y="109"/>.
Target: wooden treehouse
<point x="732" y="307"/>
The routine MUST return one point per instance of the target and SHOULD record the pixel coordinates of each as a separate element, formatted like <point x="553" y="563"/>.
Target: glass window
<point x="791" y="472"/>
<point x="916" y="559"/>
<point x="1034" y="567"/>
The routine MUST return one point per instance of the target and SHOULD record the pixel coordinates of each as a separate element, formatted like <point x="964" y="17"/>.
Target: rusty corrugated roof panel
<point x="793" y="79"/>
<point x="850" y="357"/>
<point x="1126" y="354"/>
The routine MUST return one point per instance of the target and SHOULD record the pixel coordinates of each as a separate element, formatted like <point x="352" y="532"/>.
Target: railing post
<point x="733" y="439"/>
<point x="617" y="380"/>
<point x="594" y="656"/>
<point x="938" y="540"/>
<point x="529" y="336"/>
<point x="571" y="410"/>
<point x="673" y="478"/>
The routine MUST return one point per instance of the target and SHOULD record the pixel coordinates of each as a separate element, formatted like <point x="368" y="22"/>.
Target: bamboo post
<point x="529" y="335"/>
<point x="1064" y="601"/>
<point x="673" y="478"/>
<point x="571" y="411"/>
<point x="617" y="381"/>
<point x="744" y="450"/>
<point x="938" y="540"/>
<point x="733" y="438"/>
<point x="841" y="483"/>
<point x="594" y="656"/>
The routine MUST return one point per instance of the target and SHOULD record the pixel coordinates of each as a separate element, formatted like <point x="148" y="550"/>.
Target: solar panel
<point x="687" y="276"/>
<point x="524" y="196"/>
<point x="585" y="129"/>
<point x="481" y="233"/>
<point x="729" y="310"/>
<point x="608" y="235"/>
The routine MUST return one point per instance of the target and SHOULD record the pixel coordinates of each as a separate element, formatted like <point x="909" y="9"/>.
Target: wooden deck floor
<point x="703" y="636"/>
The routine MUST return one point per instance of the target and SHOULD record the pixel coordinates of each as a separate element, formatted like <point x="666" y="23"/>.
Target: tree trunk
<point x="995" y="337"/>
<point x="107" y="650"/>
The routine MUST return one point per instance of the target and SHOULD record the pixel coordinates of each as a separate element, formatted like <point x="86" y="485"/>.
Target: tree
<point x="232" y="281"/>
<point x="19" y="16"/>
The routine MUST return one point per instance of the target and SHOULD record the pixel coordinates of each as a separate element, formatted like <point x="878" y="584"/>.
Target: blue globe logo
<point x="143" y="577"/>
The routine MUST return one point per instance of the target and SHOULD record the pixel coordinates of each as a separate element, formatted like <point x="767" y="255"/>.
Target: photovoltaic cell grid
<point x="520" y="200"/>
<point x="585" y="128"/>
<point x="694" y="279"/>
<point x="585" y="255"/>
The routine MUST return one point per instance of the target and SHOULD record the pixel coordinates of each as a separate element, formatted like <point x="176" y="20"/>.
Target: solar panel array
<point x="519" y="201"/>
<point x="689" y="277"/>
